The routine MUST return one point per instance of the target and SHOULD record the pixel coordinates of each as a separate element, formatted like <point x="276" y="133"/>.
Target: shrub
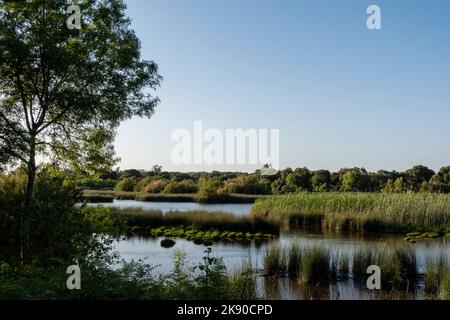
<point x="155" y="186"/>
<point x="127" y="185"/>
<point x="185" y="186"/>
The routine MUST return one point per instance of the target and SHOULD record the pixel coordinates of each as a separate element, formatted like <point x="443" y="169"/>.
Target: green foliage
<point x="12" y="196"/>
<point x="437" y="269"/>
<point x="127" y="185"/>
<point x="155" y="186"/>
<point x="87" y="81"/>
<point x="200" y="220"/>
<point x="208" y="188"/>
<point x="294" y="260"/>
<point x="186" y="186"/>
<point x="315" y="265"/>
<point x="135" y="280"/>
<point x="380" y="212"/>
<point x="272" y="261"/>
<point x="246" y="184"/>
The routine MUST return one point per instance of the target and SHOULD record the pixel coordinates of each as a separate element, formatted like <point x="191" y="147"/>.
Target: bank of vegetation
<point x="363" y="212"/>
<point x="65" y="233"/>
<point x="198" y="226"/>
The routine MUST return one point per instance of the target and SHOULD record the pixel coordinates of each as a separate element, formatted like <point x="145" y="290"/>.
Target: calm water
<point x="239" y="209"/>
<point x="236" y="253"/>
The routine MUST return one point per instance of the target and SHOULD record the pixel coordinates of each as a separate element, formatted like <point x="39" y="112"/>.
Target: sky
<point x="340" y="94"/>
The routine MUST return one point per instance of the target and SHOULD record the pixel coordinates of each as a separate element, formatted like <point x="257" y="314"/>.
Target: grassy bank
<point x="203" y="221"/>
<point x="109" y="196"/>
<point x="359" y="211"/>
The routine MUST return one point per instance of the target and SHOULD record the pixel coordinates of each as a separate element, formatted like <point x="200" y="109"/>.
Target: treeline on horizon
<point x="417" y="179"/>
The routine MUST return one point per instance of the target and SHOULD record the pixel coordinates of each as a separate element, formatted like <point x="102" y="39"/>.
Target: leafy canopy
<point x="64" y="92"/>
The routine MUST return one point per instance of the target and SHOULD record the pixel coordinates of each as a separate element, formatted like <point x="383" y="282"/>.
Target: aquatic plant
<point x="294" y="259"/>
<point x="272" y="259"/>
<point x="315" y="264"/>
<point x="381" y="212"/>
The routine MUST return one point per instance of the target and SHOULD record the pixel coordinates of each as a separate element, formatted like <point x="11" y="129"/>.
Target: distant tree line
<point x="417" y="179"/>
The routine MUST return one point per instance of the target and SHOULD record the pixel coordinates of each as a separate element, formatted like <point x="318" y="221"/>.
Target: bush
<point x="127" y="184"/>
<point x="208" y="188"/>
<point x="155" y="186"/>
<point x="246" y="184"/>
<point x="186" y="186"/>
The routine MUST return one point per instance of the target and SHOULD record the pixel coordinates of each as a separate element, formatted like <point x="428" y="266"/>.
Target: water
<point x="236" y="253"/>
<point x="239" y="209"/>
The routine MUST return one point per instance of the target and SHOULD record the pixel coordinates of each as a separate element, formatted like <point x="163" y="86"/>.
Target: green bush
<point x="127" y="184"/>
<point x="186" y="186"/>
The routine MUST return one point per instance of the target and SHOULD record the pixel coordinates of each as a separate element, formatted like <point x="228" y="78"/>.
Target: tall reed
<point x="315" y="265"/>
<point x="359" y="211"/>
<point x="436" y="271"/>
<point x="272" y="261"/>
<point x="201" y="220"/>
<point x="294" y="259"/>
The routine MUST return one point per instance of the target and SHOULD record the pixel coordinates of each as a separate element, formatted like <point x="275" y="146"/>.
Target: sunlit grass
<point x="359" y="211"/>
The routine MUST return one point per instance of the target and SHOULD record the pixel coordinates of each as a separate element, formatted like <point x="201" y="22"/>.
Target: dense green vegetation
<point x="70" y="234"/>
<point x="201" y="221"/>
<point x="136" y="280"/>
<point x="417" y="179"/>
<point x="234" y="187"/>
<point x="359" y="211"/>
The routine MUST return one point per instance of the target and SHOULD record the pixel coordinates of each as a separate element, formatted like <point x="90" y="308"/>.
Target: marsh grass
<point x="272" y="261"/>
<point x="343" y="265"/>
<point x="92" y="195"/>
<point x="398" y="265"/>
<point x="362" y="258"/>
<point x="372" y="212"/>
<point x="200" y="220"/>
<point x="315" y="265"/>
<point x="437" y="275"/>
<point x="444" y="288"/>
<point x="294" y="260"/>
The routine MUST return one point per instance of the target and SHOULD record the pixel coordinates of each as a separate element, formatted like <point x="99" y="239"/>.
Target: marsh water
<point x="236" y="253"/>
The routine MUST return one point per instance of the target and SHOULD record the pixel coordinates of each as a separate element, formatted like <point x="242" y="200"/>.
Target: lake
<point x="236" y="253"/>
<point x="236" y="208"/>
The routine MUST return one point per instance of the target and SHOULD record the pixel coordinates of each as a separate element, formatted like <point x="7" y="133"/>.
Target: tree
<point x="63" y="92"/>
<point x="299" y="180"/>
<point x="417" y="175"/>
<point x="321" y="180"/>
<point x="444" y="175"/>
<point x="355" y="179"/>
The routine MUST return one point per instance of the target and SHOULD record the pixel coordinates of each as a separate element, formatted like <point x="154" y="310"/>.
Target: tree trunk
<point x="24" y="223"/>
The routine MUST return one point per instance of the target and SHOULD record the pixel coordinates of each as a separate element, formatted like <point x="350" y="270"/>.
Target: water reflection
<point x="236" y="253"/>
<point x="236" y="208"/>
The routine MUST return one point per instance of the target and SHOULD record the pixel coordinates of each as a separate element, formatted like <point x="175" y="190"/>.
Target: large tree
<point x="63" y="92"/>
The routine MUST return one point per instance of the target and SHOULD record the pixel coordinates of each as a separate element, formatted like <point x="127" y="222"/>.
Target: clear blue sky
<point x="341" y="95"/>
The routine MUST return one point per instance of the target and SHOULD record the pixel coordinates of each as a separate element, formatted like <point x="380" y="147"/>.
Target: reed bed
<point x="272" y="261"/>
<point x="437" y="276"/>
<point x="92" y="195"/>
<point x="343" y="265"/>
<point x="199" y="220"/>
<point x="372" y="212"/>
<point x="316" y="264"/>
<point x="294" y="260"/>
